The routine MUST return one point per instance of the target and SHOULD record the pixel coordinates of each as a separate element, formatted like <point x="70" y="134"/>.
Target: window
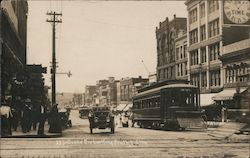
<point x="185" y="51"/>
<point x="194" y="57"/>
<point x="193" y="36"/>
<point x="194" y="79"/>
<point x="213" y="28"/>
<point x="193" y="16"/>
<point x="178" y="69"/>
<point x="213" y="5"/>
<point x="202" y="10"/>
<point x="203" y="79"/>
<point x="181" y="56"/>
<point x="181" y="69"/>
<point x="237" y="73"/>
<point x="203" y="55"/>
<point x="185" y="68"/>
<point x="215" y="78"/>
<point x="214" y="51"/>
<point x="203" y="32"/>
<point x="177" y="53"/>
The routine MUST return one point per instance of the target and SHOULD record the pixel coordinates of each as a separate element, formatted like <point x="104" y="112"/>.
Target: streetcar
<point x="172" y="106"/>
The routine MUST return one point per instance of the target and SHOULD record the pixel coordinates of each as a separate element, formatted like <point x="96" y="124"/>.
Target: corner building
<point x="204" y="38"/>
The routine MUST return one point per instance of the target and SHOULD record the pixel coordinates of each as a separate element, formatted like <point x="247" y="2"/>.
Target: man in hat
<point x="26" y="116"/>
<point x="42" y="118"/>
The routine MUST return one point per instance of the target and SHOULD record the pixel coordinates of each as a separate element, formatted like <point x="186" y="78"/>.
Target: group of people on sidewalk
<point x="27" y="116"/>
<point x="124" y="119"/>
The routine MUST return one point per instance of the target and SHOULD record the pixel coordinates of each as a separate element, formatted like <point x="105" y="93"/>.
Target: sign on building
<point x="236" y="12"/>
<point x="236" y="21"/>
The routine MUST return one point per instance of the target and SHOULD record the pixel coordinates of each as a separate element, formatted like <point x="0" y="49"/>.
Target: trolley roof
<point x="155" y="90"/>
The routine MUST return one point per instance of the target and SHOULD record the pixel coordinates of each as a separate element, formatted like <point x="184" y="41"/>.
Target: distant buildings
<point x="129" y="87"/>
<point x="107" y="91"/>
<point x="113" y="92"/>
<point x="90" y="94"/>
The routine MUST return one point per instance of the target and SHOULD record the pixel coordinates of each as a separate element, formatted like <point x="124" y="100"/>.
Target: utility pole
<point x="54" y="20"/>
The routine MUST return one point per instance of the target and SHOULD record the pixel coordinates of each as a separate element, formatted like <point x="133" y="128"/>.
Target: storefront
<point x="233" y="103"/>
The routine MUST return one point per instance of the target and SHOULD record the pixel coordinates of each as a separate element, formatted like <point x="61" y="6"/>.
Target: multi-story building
<point x="204" y="40"/>
<point x="129" y="87"/>
<point x="218" y="51"/>
<point x="235" y="56"/>
<point x="166" y="35"/>
<point x="77" y="99"/>
<point x="90" y="94"/>
<point x="181" y="55"/>
<point x="13" y="31"/>
<point x="107" y="91"/>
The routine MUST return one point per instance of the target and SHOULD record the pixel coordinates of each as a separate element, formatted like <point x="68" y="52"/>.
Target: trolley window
<point x="181" y="97"/>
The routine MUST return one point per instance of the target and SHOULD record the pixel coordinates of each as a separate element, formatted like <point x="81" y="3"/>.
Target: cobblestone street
<point x="129" y="142"/>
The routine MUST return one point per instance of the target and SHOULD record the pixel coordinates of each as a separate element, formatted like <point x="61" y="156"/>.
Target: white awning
<point x="227" y="94"/>
<point x="124" y="107"/>
<point x="206" y="99"/>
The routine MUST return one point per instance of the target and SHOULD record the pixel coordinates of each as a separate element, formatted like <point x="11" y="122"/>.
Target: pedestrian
<point x="42" y="118"/>
<point x="5" y="112"/>
<point x="55" y="121"/>
<point x="35" y="116"/>
<point x="14" y="119"/>
<point x="26" y="116"/>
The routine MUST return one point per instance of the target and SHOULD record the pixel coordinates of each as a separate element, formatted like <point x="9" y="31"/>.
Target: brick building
<point x="166" y="35"/>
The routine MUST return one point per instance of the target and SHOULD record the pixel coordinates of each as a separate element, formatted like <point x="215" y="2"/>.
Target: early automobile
<point x="84" y="112"/>
<point x="64" y="116"/>
<point x="101" y="117"/>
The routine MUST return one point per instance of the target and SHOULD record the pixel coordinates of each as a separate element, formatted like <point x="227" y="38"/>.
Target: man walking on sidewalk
<point x="42" y="118"/>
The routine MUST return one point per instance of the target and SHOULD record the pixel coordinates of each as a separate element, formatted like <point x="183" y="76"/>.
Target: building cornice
<point x="205" y="43"/>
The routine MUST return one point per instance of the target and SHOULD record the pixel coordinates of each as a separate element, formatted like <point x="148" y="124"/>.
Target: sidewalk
<point x="33" y="133"/>
<point x="225" y="129"/>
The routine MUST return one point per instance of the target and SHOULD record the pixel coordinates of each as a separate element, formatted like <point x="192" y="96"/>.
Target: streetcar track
<point x="132" y="147"/>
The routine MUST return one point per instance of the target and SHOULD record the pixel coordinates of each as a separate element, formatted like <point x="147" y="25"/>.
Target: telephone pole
<point x="53" y="20"/>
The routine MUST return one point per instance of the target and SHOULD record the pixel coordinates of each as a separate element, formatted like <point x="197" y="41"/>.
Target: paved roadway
<point x="130" y="142"/>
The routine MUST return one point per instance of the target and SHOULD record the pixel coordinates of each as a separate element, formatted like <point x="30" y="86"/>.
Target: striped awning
<point x="227" y="94"/>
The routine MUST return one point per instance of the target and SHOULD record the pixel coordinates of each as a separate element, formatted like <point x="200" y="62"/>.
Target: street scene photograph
<point x="125" y="79"/>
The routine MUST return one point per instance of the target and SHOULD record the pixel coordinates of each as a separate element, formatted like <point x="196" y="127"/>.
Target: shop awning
<point x="227" y="94"/>
<point x="206" y="99"/>
<point x="124" y="107"/>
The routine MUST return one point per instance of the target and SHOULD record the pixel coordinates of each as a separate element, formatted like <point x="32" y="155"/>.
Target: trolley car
<point x="170" y="107"/>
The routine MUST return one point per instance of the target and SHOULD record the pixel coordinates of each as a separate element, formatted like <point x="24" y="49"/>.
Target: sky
<point x="97" y="39"/>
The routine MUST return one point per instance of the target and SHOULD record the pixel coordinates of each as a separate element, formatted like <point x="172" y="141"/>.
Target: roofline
<point x="158" y="89"/>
